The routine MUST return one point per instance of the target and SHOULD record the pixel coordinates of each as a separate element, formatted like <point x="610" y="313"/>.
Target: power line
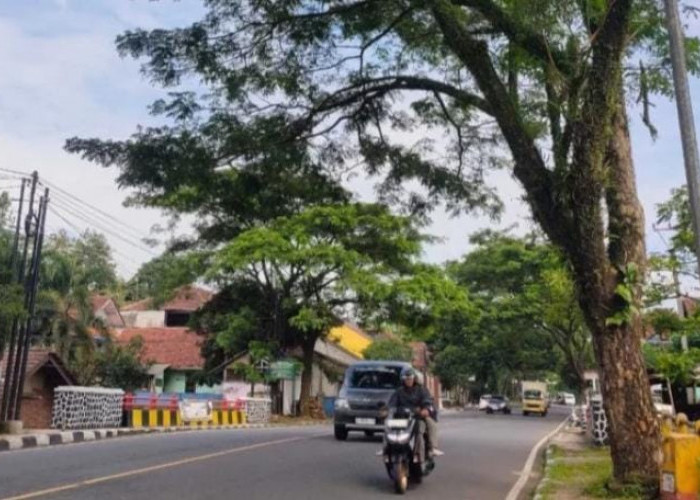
<point x="92" y="207"/>
<point x="98" y="225"/>
<point x="104" y="220"/>
<point x="53" y="210"/>
<point x="24" y="175"/>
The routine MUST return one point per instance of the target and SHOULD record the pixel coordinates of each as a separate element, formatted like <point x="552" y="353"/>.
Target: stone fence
<point x="77" y="407"/>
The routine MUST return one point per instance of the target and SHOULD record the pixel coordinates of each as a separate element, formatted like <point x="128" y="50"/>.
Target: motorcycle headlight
<point x="398" y="437"/>
<point x="341" y="404"/>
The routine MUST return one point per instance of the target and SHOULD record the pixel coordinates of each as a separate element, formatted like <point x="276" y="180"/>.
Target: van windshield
<point x="375" y="377"/>
<point x="531" y="394"/>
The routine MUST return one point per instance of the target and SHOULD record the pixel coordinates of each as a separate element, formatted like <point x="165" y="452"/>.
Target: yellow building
<point x="350" y="338"/>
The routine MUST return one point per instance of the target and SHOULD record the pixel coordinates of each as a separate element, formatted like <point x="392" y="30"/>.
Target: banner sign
<point x="191" y="409"/>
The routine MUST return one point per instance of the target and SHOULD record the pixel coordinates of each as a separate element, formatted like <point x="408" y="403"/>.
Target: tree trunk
<point x="633" y="427"/>
<point x="307" y="376"/>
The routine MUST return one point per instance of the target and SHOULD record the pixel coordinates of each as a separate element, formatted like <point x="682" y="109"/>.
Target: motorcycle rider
<point x="415" y="397"/>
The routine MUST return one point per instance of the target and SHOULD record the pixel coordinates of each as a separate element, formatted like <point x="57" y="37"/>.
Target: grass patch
<point x="585" y="474"/>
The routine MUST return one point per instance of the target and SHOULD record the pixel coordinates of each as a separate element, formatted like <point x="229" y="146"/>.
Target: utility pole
<point x="685" y="116"/>
<point x="685" y="121"/>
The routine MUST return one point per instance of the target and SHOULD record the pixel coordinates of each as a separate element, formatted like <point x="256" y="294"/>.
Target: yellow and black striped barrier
<point x="145" y="417"/>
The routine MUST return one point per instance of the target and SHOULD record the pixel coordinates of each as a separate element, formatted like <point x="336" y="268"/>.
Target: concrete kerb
<point x="548" y="461"/>
<point x="56" y="437"/>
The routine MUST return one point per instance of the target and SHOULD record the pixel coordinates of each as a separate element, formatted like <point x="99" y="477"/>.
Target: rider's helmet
<point x="408" y="372"/>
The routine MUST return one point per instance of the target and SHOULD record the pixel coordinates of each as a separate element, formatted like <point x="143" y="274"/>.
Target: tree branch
<point x="529" y="167"/>
<point x="533" y="43"/>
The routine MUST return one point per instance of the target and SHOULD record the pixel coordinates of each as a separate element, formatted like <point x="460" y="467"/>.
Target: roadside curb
<point x="548" y="461"/>
<point x="525" y="474"/>
<point x="39" y="440"/>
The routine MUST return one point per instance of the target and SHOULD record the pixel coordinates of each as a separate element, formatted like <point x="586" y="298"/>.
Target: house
<point x="351" y="338"/>
<point x="333" y="354"/>
<point x="105" y="309"/>
<point x="45" y="371"/>
<point x="174" y="313"/>
<point x="175" y="357"/>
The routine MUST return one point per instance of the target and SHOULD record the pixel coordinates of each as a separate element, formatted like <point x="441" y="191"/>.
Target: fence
<point x="175" y="410"/>
<point x="77" y="407"/>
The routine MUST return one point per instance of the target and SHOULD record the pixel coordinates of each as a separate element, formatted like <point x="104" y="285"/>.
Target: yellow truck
<point x="535" y="398"/>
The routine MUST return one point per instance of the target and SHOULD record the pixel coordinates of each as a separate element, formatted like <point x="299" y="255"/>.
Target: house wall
<point x="110" y="315"/>
<point x="208" y="389"/>
<point x="37" y="402"/>
<point x="175" y="381"/>
<point x="320" y="386"/>
<point x="144" y="319"/>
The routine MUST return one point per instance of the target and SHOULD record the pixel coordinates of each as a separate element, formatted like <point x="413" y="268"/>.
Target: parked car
<point x="498" y="404"/>
<point x="362" y="402"/>
<point x="569" y="399"/>
<point x="484" y="401"/>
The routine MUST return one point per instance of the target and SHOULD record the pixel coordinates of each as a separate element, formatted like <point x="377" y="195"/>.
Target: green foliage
<point x="72" y="271"/>
<point x="677" y="366"/>
<point x="388" y="349"/>
<point x="160" y="277"/>
<point x="121" y="366"/>
<point x="530" y="321"/>
<point x="306" y="268"/>
<point x="625" y="291"/>
<point x="83" y="262"/>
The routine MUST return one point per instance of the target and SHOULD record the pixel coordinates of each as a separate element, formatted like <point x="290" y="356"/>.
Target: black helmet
<point x="408" y="372"/>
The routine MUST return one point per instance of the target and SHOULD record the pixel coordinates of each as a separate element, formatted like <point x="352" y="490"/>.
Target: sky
<point x="61" y="77"/>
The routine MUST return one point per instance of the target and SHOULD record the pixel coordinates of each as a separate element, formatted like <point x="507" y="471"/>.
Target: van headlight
<point x="341" y="404"/>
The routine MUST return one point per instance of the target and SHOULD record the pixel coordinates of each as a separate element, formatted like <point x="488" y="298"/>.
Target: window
<point x="375" y="378"/>
<point x="177" y="318"/>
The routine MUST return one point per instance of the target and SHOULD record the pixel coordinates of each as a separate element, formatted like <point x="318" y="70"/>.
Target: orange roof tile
<point x="177" y="347"/>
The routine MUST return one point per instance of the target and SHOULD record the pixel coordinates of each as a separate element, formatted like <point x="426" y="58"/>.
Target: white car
<point x="569" y="399"/>
<point x="484" y="401"/>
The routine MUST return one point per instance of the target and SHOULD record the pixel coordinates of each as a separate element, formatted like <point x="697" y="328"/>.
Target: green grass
<point x="584" y="472"/>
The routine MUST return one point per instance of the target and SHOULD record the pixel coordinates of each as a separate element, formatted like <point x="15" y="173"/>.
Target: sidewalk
<point x="49" y="437"/>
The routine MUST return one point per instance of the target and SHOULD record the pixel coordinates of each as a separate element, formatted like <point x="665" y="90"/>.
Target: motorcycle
<point x="400" y="449"/>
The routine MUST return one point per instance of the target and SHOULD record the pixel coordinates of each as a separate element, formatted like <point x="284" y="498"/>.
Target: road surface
<point x="484" y="455"/>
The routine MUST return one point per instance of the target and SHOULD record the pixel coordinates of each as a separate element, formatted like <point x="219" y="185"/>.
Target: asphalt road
<point x="484" y="455"/>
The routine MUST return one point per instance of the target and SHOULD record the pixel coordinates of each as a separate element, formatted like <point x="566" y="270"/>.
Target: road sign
<point x="286" y="370"/>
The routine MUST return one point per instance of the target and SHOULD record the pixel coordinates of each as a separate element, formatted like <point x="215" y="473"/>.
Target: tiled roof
<point x="188" y="298"/>
<point x="98" y="301"/>
<point x="178" y="347"/>
<point x="141" y="305"/>
<point x="37" y="358"/>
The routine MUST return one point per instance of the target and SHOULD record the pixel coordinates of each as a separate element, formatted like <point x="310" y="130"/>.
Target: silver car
<point x="362" y="402"/>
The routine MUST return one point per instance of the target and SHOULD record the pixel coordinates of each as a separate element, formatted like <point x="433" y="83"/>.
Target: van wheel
<point x="526" y="413"/>
<point x="340" y="432"/>
<point x="544" y="413"/>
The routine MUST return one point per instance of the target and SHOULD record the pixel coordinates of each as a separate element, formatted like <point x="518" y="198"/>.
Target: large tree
<point x="347" y="79"/>
<point x="530" y="323"/>
<point x="306" y="270"/>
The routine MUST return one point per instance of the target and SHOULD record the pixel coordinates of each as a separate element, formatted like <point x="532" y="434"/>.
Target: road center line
<point x="136" y="472"/>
